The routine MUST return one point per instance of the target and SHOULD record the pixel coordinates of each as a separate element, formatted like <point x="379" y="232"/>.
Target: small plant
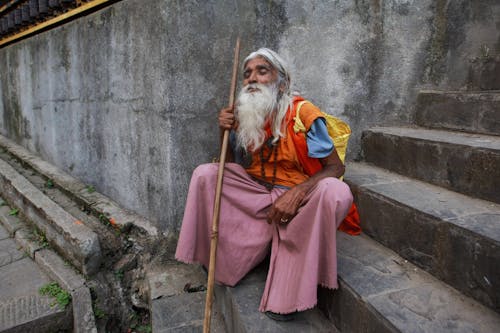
<point x="40" y="238"/>
<point x="98" y="312"/>
<point x="90" y="189"/>
<point x="143" y="329"/>
<point x="62" y="297"/>
<point x="49" y="184"/>
<point x="14" y="212"/>
<point x="119" y="274"/>
<point x="104" y="219"/>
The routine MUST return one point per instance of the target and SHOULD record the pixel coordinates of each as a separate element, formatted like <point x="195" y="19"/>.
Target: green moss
<point x="62" y="297"/>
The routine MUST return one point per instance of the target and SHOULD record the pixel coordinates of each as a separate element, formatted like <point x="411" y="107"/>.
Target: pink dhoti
<point x="303" y="252"/>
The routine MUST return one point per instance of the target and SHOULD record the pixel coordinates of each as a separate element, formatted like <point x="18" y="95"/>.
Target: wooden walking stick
<point x="218" y="191"/>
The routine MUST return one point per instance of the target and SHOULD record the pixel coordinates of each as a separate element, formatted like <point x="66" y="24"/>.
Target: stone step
<point x="22" y="307"/>
<point x="454" y="237"/>
<point x="240" y="308"/>
<point x="476" y="112"/>
<point x="381" y="292"/>
<point x="462" y="162"/>
<point x="52" y="265"/>
<point x="177" y="299"/>
<point x="70" y="237"/>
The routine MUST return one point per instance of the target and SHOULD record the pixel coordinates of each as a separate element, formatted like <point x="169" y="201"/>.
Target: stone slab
<point x="240" y="308"/>
<point x="33" y="314"/>
<point x="477" y="112"/>
<point x="172" y="308"/>
<point x="22" y="308"/>
<point x="75" y="240"/>
<point x="58" y="270"/>
<point x="24" y="237"/>
<point x="432" y="227"/>
<point x="171" y="279"/>
<point x="11" y="223"/>
<point x="414" y="301"/>
<point x="184" y="311"/>
<point x="461" y="162"/>
<point x="10" y="252"/>
<point x="83" y="314"/>
<point x="21" y="278"/>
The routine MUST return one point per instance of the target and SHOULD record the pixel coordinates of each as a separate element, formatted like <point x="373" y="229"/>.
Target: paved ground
<point x="22" y="308"/>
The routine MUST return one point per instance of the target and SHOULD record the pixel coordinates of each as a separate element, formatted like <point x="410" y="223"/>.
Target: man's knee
<point x="205" y="170"/>
<point x="334" y="188"/>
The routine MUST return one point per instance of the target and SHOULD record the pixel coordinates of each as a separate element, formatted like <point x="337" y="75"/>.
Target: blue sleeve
<point x="319" y="143"/>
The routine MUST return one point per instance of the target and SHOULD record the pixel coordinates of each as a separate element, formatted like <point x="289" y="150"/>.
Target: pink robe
<point x="303" y="252"/>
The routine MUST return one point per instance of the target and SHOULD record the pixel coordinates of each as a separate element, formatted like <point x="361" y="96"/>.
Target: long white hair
<point x="284" y="98"/>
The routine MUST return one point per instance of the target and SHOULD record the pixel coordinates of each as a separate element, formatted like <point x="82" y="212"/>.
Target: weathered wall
<point x="126" y="99"/>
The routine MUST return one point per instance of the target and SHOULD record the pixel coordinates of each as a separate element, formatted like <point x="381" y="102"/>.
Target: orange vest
<point x="288" y="159"/>
<point x="293" y="166"/>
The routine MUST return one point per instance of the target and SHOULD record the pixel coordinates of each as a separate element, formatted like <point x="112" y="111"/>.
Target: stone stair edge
<point x="418" y="132"/>
<point x="463" y="162"/>
<point x="78" y="242"/>
<point x="431" y="226"/>
<point x="239" y="307"/>
<point x="392" y="178"/>
<point x="467" y="111"/>
<point x="76" y="189"/>
<point x="397" y="295"/>
<point x="57" y="269"/>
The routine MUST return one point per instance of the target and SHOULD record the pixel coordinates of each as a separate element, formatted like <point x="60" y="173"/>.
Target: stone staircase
<point x="57" y="228"/>
<point x="429" y="200"/>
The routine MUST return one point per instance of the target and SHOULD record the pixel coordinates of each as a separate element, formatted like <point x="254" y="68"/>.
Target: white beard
<point x="253" y="109"/>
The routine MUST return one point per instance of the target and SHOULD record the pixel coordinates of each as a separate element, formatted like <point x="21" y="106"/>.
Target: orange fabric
<point x="309" y="113"/>
<point x="350" y="224"/>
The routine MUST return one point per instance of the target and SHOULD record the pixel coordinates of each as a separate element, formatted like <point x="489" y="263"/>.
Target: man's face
<point x="258" y="70"/>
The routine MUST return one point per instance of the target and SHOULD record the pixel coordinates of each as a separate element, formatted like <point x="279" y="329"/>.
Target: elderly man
<point x="269" y="203"/>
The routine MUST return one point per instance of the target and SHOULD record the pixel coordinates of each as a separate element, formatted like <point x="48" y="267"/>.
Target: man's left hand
<point x="286" y="206"/>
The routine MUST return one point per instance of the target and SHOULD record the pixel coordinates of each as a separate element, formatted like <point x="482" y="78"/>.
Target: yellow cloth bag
<point x="338" y="130"/>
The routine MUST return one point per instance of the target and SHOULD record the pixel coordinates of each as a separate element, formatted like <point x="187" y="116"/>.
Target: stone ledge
<point x="476" y="112"/>
<point x="11" y="223"/>
<point x="79" y="243"/>
<point x="83" y="314"/>
<point x="78" y="190"/>
<point x="462" y="162"/>
<point x="58" y="270"/>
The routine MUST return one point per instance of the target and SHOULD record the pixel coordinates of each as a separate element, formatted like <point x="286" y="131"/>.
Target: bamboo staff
<point x="218" y="191"/>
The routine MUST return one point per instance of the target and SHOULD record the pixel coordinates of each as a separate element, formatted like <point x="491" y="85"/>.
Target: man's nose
<point x="252" y="78"/>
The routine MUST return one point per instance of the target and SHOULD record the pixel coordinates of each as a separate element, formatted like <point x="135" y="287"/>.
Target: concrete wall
<point x="126" y="99"/>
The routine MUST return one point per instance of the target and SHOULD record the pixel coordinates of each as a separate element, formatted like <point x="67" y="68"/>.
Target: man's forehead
<point x="257" y="62"/>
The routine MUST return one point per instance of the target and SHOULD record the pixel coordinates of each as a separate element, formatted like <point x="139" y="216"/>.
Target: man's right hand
<point x="227" y="119"/>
